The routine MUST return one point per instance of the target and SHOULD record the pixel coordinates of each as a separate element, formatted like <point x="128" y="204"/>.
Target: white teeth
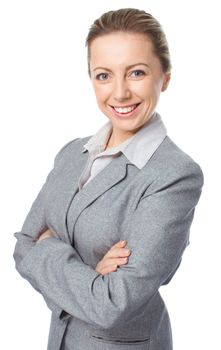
<point x="125" y="110"/>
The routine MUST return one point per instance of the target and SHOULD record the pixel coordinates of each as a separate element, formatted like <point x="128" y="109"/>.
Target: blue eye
<point x="102" y="76"/>
<point x="138" y="73"/>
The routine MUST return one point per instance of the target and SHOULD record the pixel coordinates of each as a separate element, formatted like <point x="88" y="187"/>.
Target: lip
<point x="126" y="115"/>
<point x="121" y="106"/>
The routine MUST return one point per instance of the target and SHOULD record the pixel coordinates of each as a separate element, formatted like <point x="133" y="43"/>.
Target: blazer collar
<point x="138" y="149"/>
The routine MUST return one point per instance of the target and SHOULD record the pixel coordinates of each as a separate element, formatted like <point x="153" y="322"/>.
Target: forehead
<point x="121" y="48"/>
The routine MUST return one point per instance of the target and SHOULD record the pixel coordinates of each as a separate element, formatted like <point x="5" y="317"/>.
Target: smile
<point x="125" y="110"/>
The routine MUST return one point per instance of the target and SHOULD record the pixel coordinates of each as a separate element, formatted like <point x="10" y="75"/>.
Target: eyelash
<point x="137" y="70"/>
<point x="140" y="71"/>
<point x="100" y="74"/>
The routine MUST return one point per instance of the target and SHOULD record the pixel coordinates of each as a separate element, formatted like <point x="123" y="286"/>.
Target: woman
<point x="112" y="220"/>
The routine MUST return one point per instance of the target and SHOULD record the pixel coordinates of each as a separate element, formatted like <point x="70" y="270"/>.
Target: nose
<point x="121" y="91"/>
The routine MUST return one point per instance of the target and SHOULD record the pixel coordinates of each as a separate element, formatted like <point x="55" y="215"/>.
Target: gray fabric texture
<point x="152" y="208"/>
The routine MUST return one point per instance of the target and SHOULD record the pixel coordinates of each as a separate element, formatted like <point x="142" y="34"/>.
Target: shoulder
<point x="71" y="148"/>
<point x="170" y="162"/>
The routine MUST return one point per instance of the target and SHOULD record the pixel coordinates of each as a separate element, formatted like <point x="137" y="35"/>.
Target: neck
<point x="116" y="139"/>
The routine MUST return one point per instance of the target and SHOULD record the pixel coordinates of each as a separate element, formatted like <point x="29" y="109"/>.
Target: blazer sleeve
<point x="35" y="224"/>
<point x="157" y="233"/>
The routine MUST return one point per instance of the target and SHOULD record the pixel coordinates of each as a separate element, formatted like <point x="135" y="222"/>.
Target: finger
<point x="110" y="261"/>
<point x="119" y="244"/>
<point x="48" y="231"/>
<point x="117" y="253"/>
<point x="121" y="261"/>
<point x="108" y="269"/>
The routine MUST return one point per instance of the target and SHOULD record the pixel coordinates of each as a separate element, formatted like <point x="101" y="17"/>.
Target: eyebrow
<point x="128" y="67"/>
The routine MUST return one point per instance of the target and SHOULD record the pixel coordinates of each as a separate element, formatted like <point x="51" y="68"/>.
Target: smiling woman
<point x="127" y="185"/>
<point x="128" y="78"/>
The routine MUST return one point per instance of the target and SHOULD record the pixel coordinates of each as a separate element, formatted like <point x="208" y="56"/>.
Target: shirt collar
<point x="138" y="148"/>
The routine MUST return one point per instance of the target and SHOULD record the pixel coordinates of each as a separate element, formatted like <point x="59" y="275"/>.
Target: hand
<point x="114" y="258"/>
<point x="44" y="235"/>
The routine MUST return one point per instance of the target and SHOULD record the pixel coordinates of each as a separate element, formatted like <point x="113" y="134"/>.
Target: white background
<point x="47" y="100"/>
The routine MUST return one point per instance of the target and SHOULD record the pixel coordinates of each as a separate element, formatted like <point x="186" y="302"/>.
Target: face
<point x="127" y="78"/>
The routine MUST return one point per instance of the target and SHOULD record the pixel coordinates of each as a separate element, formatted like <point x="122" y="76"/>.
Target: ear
<point x="166" y="81"/>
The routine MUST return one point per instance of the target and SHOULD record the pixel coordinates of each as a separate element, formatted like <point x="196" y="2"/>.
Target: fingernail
<point x="122" y="241"/>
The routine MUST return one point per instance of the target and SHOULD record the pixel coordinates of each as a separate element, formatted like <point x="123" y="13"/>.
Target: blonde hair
<point x="133" y="21"/>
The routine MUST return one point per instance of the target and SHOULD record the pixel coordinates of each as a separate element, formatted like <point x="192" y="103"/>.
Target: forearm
<point x="157" y="233"/>
<point x="57" y="270"/>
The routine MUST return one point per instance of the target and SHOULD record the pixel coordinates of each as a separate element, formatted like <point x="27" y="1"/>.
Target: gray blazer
<point x="151" y="208"/>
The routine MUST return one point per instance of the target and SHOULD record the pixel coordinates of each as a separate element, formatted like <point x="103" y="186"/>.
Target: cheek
<point x="143" y="89"/>
<point x="102" y="92"/>
<point x="152" y="90"/>
<point x="157" y="89"/>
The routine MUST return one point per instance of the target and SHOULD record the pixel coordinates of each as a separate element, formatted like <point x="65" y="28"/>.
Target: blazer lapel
<point x="112" y="174"/>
